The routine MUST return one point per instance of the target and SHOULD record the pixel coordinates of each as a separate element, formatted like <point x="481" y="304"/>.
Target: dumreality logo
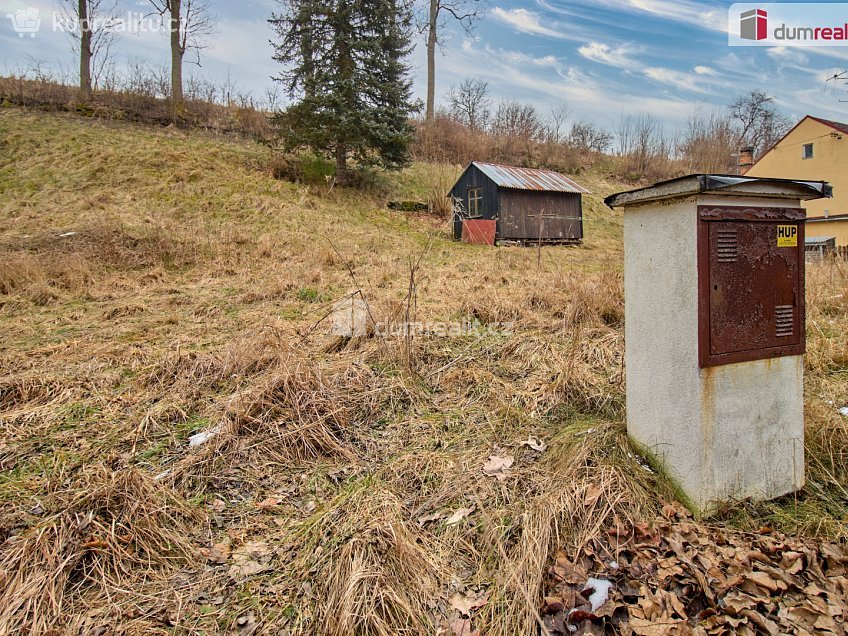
<point x="753" y="25"/>
<point x="788" y="24"/>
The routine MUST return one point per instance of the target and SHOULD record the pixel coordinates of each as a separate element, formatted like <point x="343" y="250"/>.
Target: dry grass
<point x="194" y="297"/>
<point x="379" y="574"/>
<point x="102" y="528"/>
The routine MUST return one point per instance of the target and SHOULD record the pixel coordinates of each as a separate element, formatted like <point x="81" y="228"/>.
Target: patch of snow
<point x="613" y="565"/>
<point x="844" y="411"/>
<point x="67" y="234"/>
<point x="204" y="436"/>
<point x="600" y="592"/>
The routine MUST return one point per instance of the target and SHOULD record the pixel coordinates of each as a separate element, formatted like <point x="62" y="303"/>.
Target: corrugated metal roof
<point x="529" y="178"/>
<point x="818" y="240"/>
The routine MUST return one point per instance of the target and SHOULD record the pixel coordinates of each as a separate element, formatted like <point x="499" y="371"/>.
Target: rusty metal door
<point x="751" y="282"/>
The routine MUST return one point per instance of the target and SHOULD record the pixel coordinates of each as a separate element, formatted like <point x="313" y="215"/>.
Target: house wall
<point x="520" y="211"/>
<point x="838" y="229"/>
<point x="829" y="163"/>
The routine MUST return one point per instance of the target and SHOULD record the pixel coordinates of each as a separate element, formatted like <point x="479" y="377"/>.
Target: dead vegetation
<point x="677" y="577"/>
<point x="340" y="485"/>
<point x="100" y="528"/>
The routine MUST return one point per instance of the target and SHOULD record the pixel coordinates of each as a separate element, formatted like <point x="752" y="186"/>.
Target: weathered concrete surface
<point x="724" y="432"/>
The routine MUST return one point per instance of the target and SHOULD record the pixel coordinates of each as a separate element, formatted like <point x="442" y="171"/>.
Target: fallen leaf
<point x="461" y="627"/>
<point x="268" y="504"/>
<point x="467" y="603"/>
<point x="765" y="581"/>
<point x="592" y="494"/>
<point x="459" y="515"/>
<point x="645" y="627"/>
<point x="792" y="562"/>
<point x="767" y="626"/>
<point x="219" y="552"/>
<point x="535" y="443"/>
<point x="552" y="605"/>
<point x="434" y="516"/>
<point x="247" y="624"/>
<point x="251" y="558"/>
<point x="736" y="602"/>
<point x="569" y="572"/>
<point x="498" y="467"/>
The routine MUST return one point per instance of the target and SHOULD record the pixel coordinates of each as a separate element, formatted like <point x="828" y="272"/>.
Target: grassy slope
<point x="187" y="298"/>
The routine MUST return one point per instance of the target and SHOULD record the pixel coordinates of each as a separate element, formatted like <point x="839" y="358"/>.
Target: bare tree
<point x="470" y="103"/>
<point x="709" y="143"/>
<point x="515" y="119"/>
<point x="190" y="25"/>
<point x="518" y="128"/>
<point x="466" y="12"/>
<point x="91" y="25"/>
<point x="560" y="114"/>
<point x="758" y="122"/>
<point x="589" y="137"/>
<point x="643" y="143"/>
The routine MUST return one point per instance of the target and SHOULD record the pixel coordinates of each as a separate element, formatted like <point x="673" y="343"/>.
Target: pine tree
<point x="344" y="63"/>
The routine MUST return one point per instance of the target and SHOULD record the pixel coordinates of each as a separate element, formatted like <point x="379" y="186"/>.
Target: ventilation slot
<point x="784" y="320"/>
<point x="727" y="246"/>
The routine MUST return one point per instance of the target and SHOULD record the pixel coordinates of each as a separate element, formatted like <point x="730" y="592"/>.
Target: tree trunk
<point x="341" y="163"/>
<point x="177" y="52"/>
<point x="431" y="61"/>
<point x="85" y="51"/>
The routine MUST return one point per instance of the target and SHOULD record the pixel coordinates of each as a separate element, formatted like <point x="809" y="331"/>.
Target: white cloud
<point x="620" y="57"/>
<point x="519" y="57"/>
<point x="677" y="79"/>
<point x="788" y="55"/>
<point x="543" y="81"/>
<point x="778" y="52"/>
<point x="686" y="11"/>
<point x="525" y="21"/>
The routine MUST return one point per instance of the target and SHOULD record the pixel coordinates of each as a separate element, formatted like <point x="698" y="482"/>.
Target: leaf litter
<point x="679" y="577"/>
<point x="498" y="467"/>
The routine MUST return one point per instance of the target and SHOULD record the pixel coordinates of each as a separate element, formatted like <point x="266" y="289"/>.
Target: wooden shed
<point x="526" y="204"/>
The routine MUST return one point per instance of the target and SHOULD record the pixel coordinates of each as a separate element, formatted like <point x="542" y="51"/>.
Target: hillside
<point x="156" y="285"/>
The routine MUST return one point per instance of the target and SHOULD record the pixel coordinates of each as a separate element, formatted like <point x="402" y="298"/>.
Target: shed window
<point x="808" y="151"/>
<point x="475" y="196"/>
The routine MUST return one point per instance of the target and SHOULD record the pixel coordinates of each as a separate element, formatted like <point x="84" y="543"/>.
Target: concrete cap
<point x="731" y="185"/>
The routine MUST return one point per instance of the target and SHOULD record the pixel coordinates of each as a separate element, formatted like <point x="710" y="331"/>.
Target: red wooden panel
<point x="479" y="231"/>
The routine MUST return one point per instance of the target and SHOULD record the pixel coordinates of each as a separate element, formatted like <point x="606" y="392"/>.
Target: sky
<point x="602" y="58"/>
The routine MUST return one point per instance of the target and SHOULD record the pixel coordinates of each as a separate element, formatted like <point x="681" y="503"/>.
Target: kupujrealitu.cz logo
<point x="789" y="24"/>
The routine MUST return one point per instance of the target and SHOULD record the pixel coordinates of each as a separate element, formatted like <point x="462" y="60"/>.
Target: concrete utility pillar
<point x="714" y="332"/>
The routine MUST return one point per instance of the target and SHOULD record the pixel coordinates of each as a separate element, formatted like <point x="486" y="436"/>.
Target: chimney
<point x="746" y="159"/>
